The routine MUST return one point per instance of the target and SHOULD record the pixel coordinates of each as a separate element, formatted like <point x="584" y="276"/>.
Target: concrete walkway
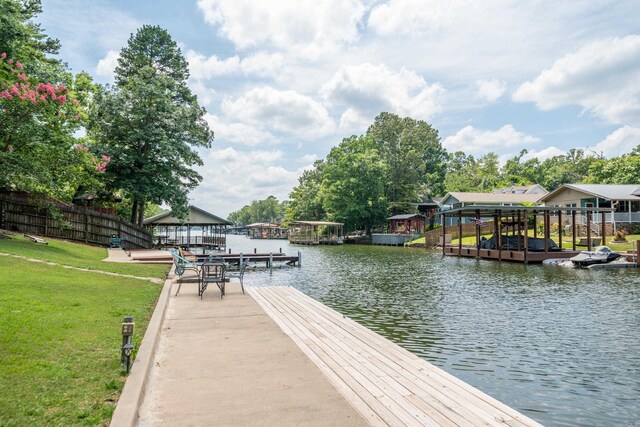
<point x="225" y="362"/>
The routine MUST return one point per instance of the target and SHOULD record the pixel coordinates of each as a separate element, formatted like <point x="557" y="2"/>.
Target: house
<point x="407" y="223"/>
<point x="624" y="198"/>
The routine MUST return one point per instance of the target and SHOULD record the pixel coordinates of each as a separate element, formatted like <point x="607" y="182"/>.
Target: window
<point x="570" y="205"/>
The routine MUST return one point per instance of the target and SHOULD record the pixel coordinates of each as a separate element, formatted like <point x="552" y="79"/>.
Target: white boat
<point x="602" y="255"/>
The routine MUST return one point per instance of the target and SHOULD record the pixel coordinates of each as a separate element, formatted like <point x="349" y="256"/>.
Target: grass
<point x="77" y="255"/>
<point x="60" y="335"/>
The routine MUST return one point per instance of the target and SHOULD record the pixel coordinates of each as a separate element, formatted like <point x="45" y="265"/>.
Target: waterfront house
<point x="623" y="198"/>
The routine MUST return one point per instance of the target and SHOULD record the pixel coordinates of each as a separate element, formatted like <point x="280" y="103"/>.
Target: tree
<point x="149" y="123"/>
<point x="306" y="197"/>
<point x="267" y="210"/>
<point x="413" y="156"/>
<point x="38" y="119"/>
<point x="353" y="184"/>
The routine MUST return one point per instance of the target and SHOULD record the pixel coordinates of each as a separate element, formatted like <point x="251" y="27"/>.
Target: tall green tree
<point x="267" y="210"/>
<point x="353" y="184"/>
<point x="150" y="123"/>
<point x="414" y="159"/>
<point x="306" y="197"/>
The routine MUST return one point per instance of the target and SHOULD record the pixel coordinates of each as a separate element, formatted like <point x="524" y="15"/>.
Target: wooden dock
<point x="387" y="384"/>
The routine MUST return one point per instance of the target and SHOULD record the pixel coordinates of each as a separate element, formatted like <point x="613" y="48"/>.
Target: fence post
<point x="86" y="227"/>
<point x="46" y="221"/>
<point x="1" y="213"/>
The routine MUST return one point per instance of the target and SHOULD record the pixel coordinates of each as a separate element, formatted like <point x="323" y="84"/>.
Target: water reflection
<point x="560" y="345"/>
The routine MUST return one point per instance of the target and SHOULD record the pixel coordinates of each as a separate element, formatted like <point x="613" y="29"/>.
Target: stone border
<point x="126" y="412"/>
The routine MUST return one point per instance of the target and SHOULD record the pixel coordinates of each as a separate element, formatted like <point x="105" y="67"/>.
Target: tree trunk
<point x="141" y="213"/>
<point x="134" y="212"/>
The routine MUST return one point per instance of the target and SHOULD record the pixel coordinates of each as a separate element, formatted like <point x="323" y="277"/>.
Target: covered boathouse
<point x="517" y="235"/>
<point x="200" y="229"/>
<point x="316" y="233"/>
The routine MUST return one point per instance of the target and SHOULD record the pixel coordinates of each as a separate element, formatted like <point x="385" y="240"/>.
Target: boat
<point x="602" y="255"/>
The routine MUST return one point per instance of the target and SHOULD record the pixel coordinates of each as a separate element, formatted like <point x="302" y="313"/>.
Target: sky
<point x="284" y="81"/>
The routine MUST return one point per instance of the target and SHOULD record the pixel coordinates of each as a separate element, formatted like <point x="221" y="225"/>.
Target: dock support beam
<point x="573" y="228"/>
<point x="589" y="230"/>
<point x="604" y="228"/>
<point x="444" y="232"/>
<point x="460" y="233"/>
<point x="526" y="238"/>
<point x="560" y="229"/>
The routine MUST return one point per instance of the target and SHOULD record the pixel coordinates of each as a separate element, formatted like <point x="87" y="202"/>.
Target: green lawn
<point x="60" y="336"/>
<point x="77" y="255"/>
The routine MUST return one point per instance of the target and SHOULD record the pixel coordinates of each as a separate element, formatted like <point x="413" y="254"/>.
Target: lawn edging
<point x="126" y="412"/>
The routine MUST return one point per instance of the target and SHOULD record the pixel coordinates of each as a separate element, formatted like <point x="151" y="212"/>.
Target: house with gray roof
<point x="460" y="199"/>
<point x="624" y="198"/>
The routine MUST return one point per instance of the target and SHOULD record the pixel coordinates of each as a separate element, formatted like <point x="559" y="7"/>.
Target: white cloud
<point x="471" y="140"/>
<point x="308" y="27"/>
<point x="351" y="121"/>
<point x="286" y="111"/>
<point x="107" y="65"/>
<point x="205" y="94"/>
<point x="370" y="89"/>
<point x="544" y="154"/>
<point x="414" y="16"/>
<point x="621" y="141"/>
<point x="260" y="64"/>
<point x="603" y="77"/>
<point x="232" y="178"/>
<point x="201" y="67"/>
<point x="240" y="133"/>
<point x="490" y="90"/>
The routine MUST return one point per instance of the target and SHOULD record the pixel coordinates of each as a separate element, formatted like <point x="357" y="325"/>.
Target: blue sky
<point x="284" y="81"/>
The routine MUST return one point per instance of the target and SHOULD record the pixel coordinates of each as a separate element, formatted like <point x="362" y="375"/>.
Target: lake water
<point x="560" y="345"/>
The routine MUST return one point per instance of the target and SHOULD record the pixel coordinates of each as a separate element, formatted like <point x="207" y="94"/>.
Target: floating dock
<point x="386" y="384"/>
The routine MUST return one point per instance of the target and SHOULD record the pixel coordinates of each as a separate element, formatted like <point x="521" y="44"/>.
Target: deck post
<point x="560" y="229"/>
<point x="478" y="234"/>
<point x="535" y="224"/>
<point x="604" y="229"/>
<point x="519" y="230"/>
<point x="499" y="234"/>
<point x="444" y="231"/>
<point x="589" y="230"/>
<point x="573" y="227"/>
<point x="526" y="238"/>
<point x="460" y="233"/>
<point x="546" y="228"/>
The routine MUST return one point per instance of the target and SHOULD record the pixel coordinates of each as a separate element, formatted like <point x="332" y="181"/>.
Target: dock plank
<point x="387" y="384"/>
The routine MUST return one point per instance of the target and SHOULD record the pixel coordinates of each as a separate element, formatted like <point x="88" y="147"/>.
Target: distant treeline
<point x="398" y="161"/>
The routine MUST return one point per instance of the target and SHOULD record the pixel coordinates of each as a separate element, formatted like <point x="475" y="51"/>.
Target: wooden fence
<point x="45" y="218"/>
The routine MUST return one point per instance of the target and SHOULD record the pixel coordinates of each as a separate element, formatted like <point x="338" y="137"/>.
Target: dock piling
<point x="270" y="262"/>
<point x="299" y="258"/>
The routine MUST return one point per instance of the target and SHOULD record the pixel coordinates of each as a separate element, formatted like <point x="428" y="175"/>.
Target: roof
<point x="263" y="225"/>
<point x="491" y="210"/>
<point x="406" y="216"/>
<point x="603" y="191"/>
<point x="196" y="216"/>
<point x="464" y="197"/>
<point x="521" y="189"/>
<point x="317" y="223"/>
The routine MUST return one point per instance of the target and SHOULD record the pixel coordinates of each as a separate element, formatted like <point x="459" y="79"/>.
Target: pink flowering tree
<point x="37" y="125"/>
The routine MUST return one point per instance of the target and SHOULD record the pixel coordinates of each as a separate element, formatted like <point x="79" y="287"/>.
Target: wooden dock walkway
<point x="387" y="384"/>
